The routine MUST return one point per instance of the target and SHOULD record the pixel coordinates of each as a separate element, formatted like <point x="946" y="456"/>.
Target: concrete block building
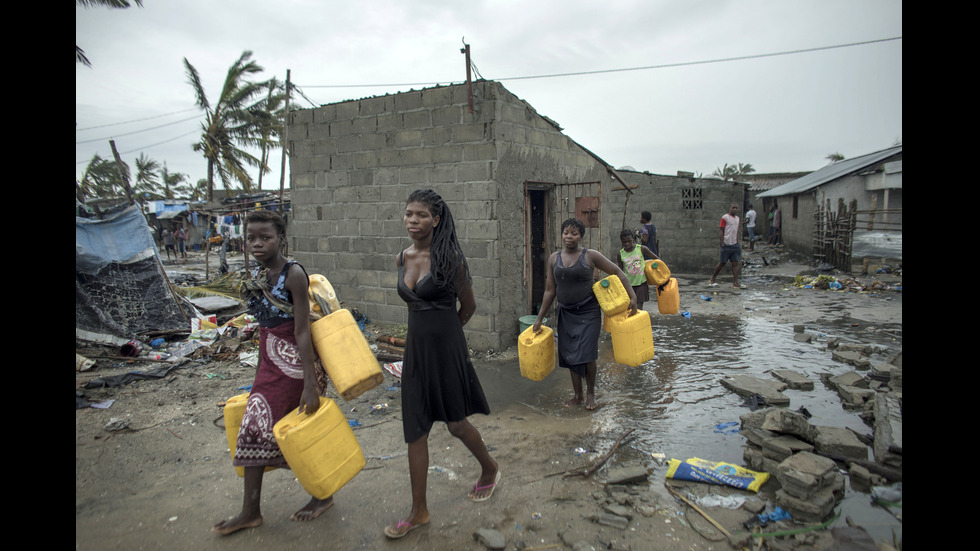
<point x="508" y="173"/>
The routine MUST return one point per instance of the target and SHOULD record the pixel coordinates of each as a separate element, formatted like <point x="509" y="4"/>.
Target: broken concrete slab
<point x="785" y="421"/>
<point x="849" y="357"/>
<point x="856" y="397"/>
<point x="802" y="337"/>
<point x="746" y="386"/>
<point x="783" y="446"/>
<point x="793" y="379"/>
<point x="839" y="442"/>
<point x="851" y="378"/>
<point x="627" y="474"/>
<point x="888" y="430"/>
<point x="805" y="473"/>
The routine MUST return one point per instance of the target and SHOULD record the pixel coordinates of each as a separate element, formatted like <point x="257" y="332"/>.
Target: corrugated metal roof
<point x="832" y="172"/>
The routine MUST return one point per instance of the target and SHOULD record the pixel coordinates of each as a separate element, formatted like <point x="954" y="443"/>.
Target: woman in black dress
<point x="438" y="379"/>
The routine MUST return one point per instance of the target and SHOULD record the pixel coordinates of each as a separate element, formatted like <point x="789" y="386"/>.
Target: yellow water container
<point x="656" y="271"/>
<point x="668" y="297"/>
<point x="536" y="352"/>
<point x="321" y="292"/>
<point x="611" y="294"/>
<point x="632" y="338"/>
<point x="320" y="449"/>
<point x="345" y="354"/>
<point x="607" y="323"/>
<point x="234" y="411"/>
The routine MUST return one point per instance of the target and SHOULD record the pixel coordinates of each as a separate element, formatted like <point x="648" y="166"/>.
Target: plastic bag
<point x="716" y="472"/>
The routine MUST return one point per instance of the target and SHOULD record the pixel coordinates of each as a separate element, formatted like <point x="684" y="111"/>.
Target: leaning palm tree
<point x="231" y="124"/>
<point x="146" y="183"/>
<point x="112" y="4"/>
<point x="101" y="178"/>
<point x="172" y="182"/>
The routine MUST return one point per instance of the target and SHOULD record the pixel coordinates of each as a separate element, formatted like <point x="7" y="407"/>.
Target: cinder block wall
<point x="686" y="212"/>
<point x="353" y="164"/>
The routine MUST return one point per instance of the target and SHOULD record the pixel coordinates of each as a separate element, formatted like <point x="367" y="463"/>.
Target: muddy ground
<point x="164" y="478"/>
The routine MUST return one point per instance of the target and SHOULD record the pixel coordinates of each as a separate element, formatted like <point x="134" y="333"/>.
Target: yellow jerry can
<point x="632" y="338"/>
<point x="611" y="294"/>
<point x="536" y="352"/>
<point x="668" y="297"/>
<point x="345" y="354"/>
<point x="320" y="449"/>
<point x="656" y="271"/>
<point x="234" y="411"/>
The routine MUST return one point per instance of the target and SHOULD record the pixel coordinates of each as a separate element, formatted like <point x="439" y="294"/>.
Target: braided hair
<point x="448" y="264"/>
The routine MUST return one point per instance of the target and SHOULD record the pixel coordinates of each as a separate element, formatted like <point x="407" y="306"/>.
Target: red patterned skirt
<point x="276" y="391"/>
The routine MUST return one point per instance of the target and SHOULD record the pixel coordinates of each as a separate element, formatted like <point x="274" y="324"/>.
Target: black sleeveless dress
<point x="439" y="382"/>
<point x="579" y="315"/>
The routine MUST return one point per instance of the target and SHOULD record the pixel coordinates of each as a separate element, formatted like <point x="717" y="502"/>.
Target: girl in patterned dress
<point x="289" y="374"/>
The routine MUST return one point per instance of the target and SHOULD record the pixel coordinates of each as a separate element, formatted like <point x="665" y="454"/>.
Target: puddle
<point x="676" y="402"/>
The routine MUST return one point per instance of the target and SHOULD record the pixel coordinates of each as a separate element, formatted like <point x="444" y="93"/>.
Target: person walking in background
<point x="648" y="235"/>
<point x="777" y="224"/>
<point x="730" y="249"/>
<point x="439" y="382"/>
<point x="181" y="236"/>
<point x="569" y="278"/>
<point x="168" y="243"/>
<point x="750" y="226"/>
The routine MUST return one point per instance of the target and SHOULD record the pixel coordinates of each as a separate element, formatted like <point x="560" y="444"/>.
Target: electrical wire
<point x="138" y="131"/>
<point x="135" y="120"/>
<point x="643" y="68"/>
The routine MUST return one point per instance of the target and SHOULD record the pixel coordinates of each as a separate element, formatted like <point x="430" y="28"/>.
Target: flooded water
<point x="678" y="406"/>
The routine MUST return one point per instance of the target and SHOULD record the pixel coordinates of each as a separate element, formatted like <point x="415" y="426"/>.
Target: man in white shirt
<point x="750" y="226"/>
<point x="730" y="250"/>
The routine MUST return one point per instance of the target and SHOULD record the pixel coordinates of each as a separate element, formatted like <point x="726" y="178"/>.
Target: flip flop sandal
<point x="477" y="489"/>
<point x="395" y="534"/>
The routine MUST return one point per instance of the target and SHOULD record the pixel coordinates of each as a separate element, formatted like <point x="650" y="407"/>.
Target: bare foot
<point x="591" y="404"/>
<point x="313" y="509"/>
<point x="233" y="525"/>
<point x="573" y="401"/>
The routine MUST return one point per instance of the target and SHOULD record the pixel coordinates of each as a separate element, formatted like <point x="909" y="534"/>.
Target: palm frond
<point x="227" y="285"/>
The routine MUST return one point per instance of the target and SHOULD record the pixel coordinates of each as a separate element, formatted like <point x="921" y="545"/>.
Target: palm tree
<point x="733" y="172"/>
<point x="113" y="4"/>
<point x="173" y="182"/>
<point x="101" y="178"/>
<point x="232" y="123"/>
<point x="146" y="183"/>
<point x="834" y="158"/>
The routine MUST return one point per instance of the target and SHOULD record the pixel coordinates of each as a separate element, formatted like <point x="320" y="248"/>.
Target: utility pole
<point x="285" y="123"/>
<point x="122" y="175"/>
<point x="469" y="81"/>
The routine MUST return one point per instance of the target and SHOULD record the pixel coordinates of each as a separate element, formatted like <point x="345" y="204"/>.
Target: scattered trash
<point x="395" y="369"/>
<point x="249" y="359"/>
<point x="659" y="457"/>
<point x="728" y="502"/>
<point x="354" y="423"/>
<point x="116" y="424"/>
<point x="716" y="472"/>
<point x="158" y="342"/>
<point x="805" y="412"/>
<point x="378" y="407"/>
<point x="686" y="314"/>
<point x="392" y="388"/>
<point x="103" y="404"/>
<point x="705" y="298"/>
<point x="728" y="427"/>
<point x="82" y="363"/>
<point x="765" y="518"/>
<point x="536" y="516"/>
<point x="449" y="472"/>
<point x="580" y="451"/>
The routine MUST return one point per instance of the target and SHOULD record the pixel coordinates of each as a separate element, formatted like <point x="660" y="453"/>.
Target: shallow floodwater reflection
<point x="678" y="406"/>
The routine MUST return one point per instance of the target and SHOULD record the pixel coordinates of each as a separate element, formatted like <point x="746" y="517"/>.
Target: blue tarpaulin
<point x="123" y="238"/>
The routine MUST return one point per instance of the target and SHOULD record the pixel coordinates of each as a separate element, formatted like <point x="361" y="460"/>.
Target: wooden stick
<point x="591" y="470"/>
<point x="698" y="509"/>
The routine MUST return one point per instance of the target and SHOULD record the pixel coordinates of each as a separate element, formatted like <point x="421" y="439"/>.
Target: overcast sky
<point x="713" y="82"/>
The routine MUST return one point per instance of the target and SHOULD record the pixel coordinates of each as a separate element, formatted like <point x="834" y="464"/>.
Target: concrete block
<point x="793" y="379"/>
<point x="804" y="473"/>
<point x="746" y="386"/>
<point x="626" y="475"/>
<point x="839" y="441"/>
<point x="814" y="508"/>
<point x="784" y="421"/>
<point x="784" y="446"/>
<point x="856" y="397"/>
<point x="888" y="430"/>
